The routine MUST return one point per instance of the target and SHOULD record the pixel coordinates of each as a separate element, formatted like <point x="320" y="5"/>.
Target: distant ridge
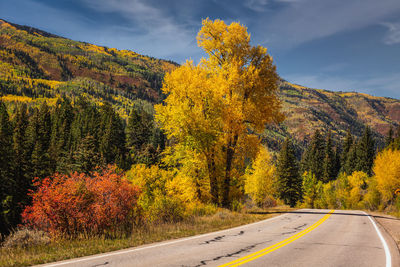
<point x="36" y="65"/>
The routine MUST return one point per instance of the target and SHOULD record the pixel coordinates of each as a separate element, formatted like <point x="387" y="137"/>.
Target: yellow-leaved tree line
<point x="357" y="190"/>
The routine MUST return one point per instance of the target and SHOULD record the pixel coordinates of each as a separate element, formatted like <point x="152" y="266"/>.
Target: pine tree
<point x="329" y="164"/>
<point x="365" y="152"/>
<point x="39" y="132"/>
<point x="112" y="137"/>
<point x="396" y="141"/>
<point x="288" y="175"/>
<point x="338" y="164"/>
<point x="22" y="164"/>
<point x="389" y="138"/>
<point x="86" y="122"/>
<point x="86" y="157"/>
<point x="7" y="181"/>
<point x="348" y="143"/>
<point x="314" y="156"/>
<point x="139" y="129"/>
<point x="61" y="138"/>
<point x="351" y="160"/>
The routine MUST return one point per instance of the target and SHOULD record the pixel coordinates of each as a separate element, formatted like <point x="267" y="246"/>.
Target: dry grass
<point x="26" y="237"/>
<point x="62" y="249"/>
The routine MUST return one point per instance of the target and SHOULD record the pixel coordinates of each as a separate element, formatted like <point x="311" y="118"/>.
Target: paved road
<point x="300" y="238"/>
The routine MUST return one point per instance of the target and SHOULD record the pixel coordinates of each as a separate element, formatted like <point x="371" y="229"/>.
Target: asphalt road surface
<point x="299" y="238"/>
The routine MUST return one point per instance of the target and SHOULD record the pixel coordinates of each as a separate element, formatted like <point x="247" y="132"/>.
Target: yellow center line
<point x="280" y="244"/>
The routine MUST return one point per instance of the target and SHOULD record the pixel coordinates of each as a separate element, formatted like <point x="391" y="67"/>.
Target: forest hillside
<point x="37" y="66"/>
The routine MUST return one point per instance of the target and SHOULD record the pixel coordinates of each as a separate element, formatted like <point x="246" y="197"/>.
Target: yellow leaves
<point x="387" y="173"/>
<point x="358" y="183"/>
<point x="260" y="179"/>
<point x="222" y="42"/>
<point x="93" y="48"/>
<point x="15" y="98"/>
<point x="182" y="187"/>
<point x="192" y="171"/>
<point x="156" y="182"/>
<point x="358" y="179"/>
<point x="211" y="107"/>
<point x="191" y="108"/>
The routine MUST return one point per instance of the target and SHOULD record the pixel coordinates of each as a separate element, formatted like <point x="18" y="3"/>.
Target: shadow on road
<point x="322" y="212"/>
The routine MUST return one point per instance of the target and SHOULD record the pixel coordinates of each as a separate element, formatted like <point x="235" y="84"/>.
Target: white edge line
<point x="86" y="258"/>
<point x="385" y="246"/>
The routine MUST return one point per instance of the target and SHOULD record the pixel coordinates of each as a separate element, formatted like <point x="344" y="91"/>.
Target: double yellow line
<point x="269" y="249"/>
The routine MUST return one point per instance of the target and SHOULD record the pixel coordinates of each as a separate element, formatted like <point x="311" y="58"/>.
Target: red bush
<point x="101" y="203"/>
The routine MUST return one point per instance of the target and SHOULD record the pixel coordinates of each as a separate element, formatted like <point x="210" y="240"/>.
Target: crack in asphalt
<point x="242" y="250"/>
<point x="220" y="237"/>
<point x="290" y="218"/>
<point x="295" y="229"/>
<point x="101" y="264"/>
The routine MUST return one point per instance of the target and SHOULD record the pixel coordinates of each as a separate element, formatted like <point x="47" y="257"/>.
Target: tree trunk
<point x="213" y="179"/>
<point x="230" y="152"/>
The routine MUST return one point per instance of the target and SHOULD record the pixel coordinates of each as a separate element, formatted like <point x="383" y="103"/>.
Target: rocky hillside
<point x="37" y="66"/>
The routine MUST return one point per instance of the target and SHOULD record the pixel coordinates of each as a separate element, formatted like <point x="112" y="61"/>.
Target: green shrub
<point x="166" y="209"/>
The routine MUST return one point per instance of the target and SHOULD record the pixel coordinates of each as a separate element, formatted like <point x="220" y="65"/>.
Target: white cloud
<point x="312" y="19"/>
<point x="261" y="5"/>
<point x="393" y="34"/>
<point x="256" y="5"/>
<point x="153" y="31"/>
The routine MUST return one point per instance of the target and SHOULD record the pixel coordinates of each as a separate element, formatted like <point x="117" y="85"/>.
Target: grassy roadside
<point x="65" y="249"/>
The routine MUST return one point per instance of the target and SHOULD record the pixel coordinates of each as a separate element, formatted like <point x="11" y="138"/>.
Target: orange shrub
<point x="100" y="203"/>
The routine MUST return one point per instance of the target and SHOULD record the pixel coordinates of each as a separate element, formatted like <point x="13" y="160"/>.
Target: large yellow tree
<point x="217" y="107"/>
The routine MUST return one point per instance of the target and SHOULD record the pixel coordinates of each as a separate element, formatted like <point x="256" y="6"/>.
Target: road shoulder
<point x="390" y="229"/>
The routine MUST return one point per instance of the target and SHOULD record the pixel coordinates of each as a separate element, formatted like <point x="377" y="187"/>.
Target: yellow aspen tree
<point x="260" y="179"/>
<point x="387" y="173"/>
<point x="358" y="182"/>
<point x="216" y="106"/>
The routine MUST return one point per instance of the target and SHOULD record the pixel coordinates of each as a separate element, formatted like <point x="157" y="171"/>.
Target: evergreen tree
<point x="22" y="168"/>
<point x="86" y="157"/>
<point x="338" y="164"/>
<point x="39" y="131"/>
<point x="365" y="152"/>
<point x="139" y="129"/>
<point x="396" y="141"/>
<point x="112" y="137"/>
<point x="86" y="122"/>
<point x="7" y="182"/>
<point x="60" y="145"/>
<point x="351" y="160"/>
<point x="329" y="165"/>
<point x="389" y="138"/>
<point x="348" y="143"/>
<point x="314" y="156"/>
<point x="288" y="175"/>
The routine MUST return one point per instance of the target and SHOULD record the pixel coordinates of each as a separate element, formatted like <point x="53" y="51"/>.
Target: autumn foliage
<point x="100" y="203"/>
<point x="214" y="108"/>
<point x="387" y="172"/>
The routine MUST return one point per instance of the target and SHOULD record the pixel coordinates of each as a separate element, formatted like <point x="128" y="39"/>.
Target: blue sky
<point x="347" y="45"/>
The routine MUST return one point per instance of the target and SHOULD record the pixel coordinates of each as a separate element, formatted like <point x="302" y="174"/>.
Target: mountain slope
<point x="37" y="66"/>
<point x="308" y="109"/>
